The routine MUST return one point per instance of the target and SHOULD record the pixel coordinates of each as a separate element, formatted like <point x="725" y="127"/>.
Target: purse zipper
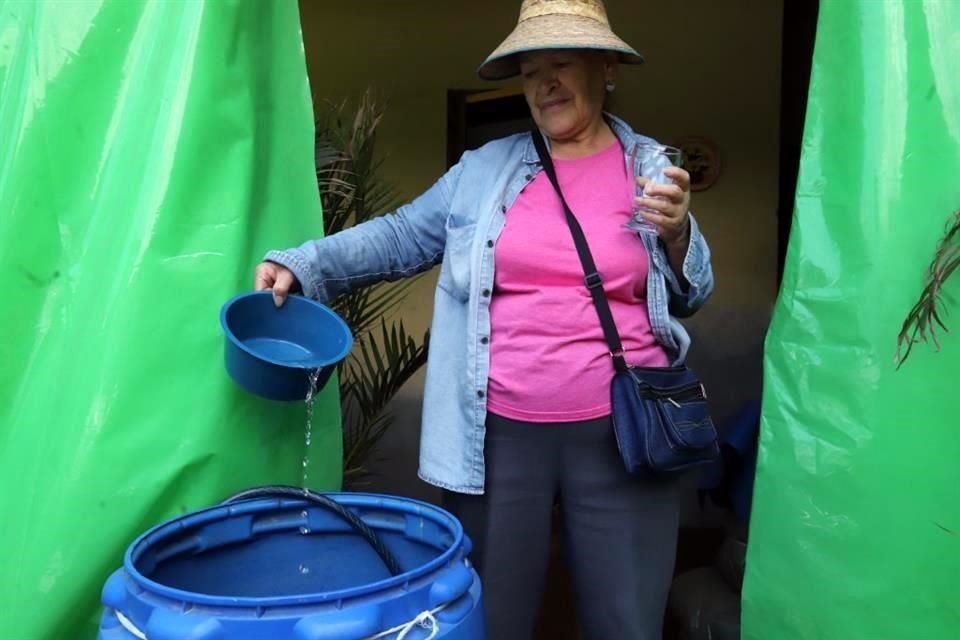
<point x="695" y="391"/>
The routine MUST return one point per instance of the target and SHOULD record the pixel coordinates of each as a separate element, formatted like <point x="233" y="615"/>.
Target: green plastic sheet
<point x="858" y="471"/>
<point x="150" y="153"/>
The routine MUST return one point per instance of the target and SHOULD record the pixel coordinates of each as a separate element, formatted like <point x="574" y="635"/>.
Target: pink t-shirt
<point x="548" y="358"/>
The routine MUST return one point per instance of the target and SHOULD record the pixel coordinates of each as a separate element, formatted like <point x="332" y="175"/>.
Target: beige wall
<point x="712" y="70"/>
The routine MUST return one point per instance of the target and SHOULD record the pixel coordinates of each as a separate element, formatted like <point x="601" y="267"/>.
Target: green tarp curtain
<point x="858" y="468"/>
<point x="150" y="153"/>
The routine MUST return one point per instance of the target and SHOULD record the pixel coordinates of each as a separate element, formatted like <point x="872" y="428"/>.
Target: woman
<point x="517" y="403"/>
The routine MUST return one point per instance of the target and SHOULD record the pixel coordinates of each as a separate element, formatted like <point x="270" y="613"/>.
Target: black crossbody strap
<point x="593" y="280"/>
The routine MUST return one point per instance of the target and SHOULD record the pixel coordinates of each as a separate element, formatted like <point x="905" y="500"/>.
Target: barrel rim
<point x="409" y="506"/>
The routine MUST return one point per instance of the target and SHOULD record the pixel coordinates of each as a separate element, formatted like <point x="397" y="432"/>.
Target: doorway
<point x="747" y="67"/>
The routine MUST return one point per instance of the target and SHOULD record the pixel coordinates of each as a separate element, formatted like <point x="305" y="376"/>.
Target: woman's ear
<point x="610" y="66"/>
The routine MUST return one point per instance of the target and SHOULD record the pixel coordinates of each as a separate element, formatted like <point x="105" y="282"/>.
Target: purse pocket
<point x="685" y="415"/>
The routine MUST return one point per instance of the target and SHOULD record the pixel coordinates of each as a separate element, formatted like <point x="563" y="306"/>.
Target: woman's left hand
<point x="669" y="205"/>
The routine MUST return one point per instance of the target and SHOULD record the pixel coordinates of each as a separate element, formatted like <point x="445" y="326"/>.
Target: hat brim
<point x="553" y="32"/>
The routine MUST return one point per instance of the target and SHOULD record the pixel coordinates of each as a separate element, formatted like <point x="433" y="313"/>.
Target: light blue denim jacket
<point x="456" y="223"/>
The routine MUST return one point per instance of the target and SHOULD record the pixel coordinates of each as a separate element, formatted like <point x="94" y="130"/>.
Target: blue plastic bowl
<point x="271" y="352"/>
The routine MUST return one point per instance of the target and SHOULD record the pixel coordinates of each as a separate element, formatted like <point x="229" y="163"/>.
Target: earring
<point x="611" y="85"/>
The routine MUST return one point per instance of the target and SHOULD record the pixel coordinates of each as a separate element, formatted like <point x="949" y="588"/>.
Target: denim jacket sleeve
<point x="697" y="271"/>
<point x="397" y="245"/>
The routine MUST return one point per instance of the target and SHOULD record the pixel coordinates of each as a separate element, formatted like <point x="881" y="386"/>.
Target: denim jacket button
<point x="484" y="340"/>
<point x="480" y="394"/>
<point x="503" y="208"/>
<point x="490" y="243"/>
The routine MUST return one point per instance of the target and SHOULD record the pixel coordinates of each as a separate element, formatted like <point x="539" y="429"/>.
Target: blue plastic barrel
<point x="287" y="568"/>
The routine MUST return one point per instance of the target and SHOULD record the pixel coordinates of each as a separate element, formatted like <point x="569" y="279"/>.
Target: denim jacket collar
<point x="620" y="129"/>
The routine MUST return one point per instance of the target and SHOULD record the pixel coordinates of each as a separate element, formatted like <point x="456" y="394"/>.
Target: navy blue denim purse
<point x="660" y="415"/>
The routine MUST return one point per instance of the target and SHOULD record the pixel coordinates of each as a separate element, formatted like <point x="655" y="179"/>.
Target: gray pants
<point x="620" y="531"/>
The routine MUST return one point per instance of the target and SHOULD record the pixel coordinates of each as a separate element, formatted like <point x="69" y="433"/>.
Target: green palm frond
<point x="385" y="362"/>
<point x="364" y="308"/>
<point x="326" y="156"/>
<point x="352" y="192"/>
<point x="922" y="323"/>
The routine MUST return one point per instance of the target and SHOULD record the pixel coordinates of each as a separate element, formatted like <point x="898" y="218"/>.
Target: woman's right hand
<point x="270" y="275"/>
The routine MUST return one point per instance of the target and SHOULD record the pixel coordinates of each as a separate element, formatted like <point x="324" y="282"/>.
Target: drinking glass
<point x="649" y="160"/>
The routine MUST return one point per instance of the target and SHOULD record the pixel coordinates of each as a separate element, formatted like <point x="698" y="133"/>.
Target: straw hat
<point x="556" y="24"/>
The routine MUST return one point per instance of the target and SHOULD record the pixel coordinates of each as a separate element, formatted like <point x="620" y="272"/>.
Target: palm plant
<point x="922" y="323"/>
<point x="385" y="356"/>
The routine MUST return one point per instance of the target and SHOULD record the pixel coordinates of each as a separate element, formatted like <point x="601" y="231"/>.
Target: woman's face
<point x="565" y="89"/>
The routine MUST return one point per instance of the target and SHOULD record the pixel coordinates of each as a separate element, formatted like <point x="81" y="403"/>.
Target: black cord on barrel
<point x="283" y="491"/>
